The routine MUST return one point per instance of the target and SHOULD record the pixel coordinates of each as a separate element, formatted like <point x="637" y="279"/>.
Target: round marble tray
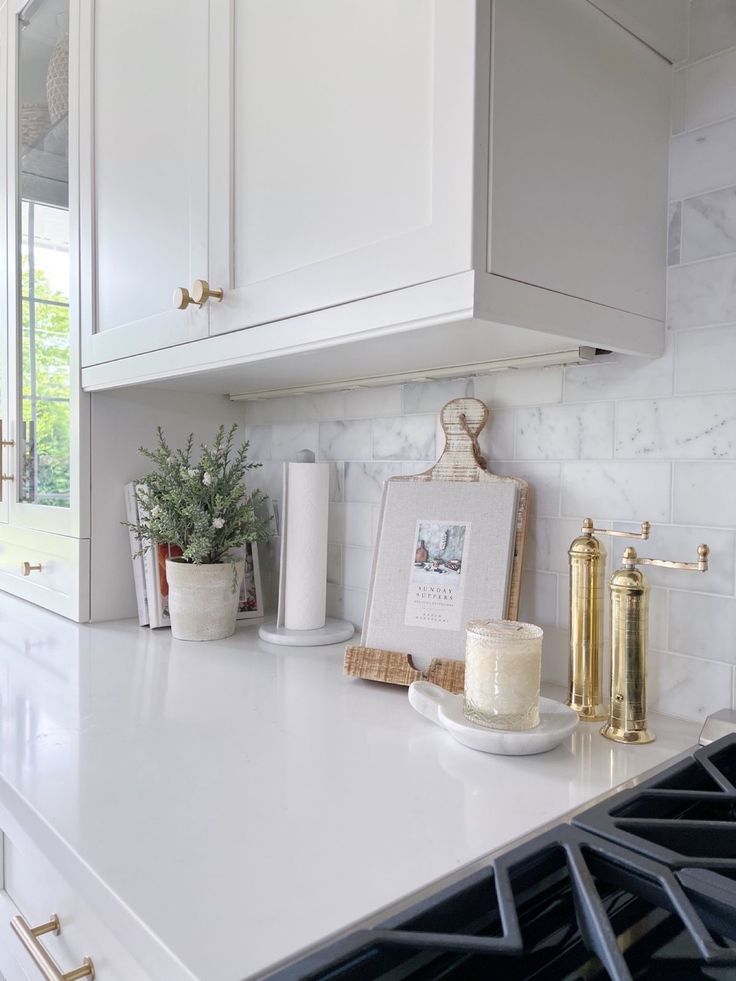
<point x="556" y="723"/>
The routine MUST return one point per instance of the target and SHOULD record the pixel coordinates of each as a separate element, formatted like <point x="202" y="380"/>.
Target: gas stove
<point x="642" y="885"/>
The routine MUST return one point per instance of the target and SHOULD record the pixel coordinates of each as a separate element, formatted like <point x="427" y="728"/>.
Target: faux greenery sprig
<point x="202" y="507"/>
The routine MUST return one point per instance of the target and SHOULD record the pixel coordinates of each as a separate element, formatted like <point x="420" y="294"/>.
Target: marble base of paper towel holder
<point x="333" y="632"/>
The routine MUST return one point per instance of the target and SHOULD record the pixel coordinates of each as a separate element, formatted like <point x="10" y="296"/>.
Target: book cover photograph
<point x="435" y="594"/>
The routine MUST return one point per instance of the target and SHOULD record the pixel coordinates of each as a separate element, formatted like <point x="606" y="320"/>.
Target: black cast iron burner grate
<point x="683" y="817"/>
<point x="568" y="904"/>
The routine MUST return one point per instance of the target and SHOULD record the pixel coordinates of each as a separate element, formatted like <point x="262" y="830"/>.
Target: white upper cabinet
<point x="144" y="177"/>
<point x="341" y="151"/>
<point x="374" y="190"/>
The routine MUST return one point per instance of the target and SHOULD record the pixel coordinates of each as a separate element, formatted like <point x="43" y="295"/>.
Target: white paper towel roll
<point x="305" y="555"/>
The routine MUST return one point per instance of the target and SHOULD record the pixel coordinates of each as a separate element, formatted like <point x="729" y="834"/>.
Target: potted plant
<point x="204" y="509"/>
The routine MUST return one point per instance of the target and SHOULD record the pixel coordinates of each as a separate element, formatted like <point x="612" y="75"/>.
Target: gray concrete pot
<point x="203" y="599"/>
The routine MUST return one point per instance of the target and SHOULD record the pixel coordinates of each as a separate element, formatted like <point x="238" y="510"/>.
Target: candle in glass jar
<point x="503" y="663"/>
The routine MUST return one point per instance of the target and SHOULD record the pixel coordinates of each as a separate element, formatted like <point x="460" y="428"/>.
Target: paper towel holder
<point x="333" y="631"/>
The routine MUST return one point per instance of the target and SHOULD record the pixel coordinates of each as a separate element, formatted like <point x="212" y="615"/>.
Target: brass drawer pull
<point x="48" y="967"/>
<point x="28" y="568"/>
<point x="5" y="442"/>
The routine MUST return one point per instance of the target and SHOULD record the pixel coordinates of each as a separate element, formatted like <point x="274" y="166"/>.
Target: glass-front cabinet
<point x="42" y="275"/>
<point x="44" y="419"/>
<point x="6" y="463"/>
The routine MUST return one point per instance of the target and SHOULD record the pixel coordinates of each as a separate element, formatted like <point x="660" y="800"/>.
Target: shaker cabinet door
<point x="143" y="138"/>
<point x="341" y="151"/>
<point x="6" y="456"/>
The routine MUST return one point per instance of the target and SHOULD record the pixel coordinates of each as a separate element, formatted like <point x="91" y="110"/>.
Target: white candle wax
<point x="503" y="661"/>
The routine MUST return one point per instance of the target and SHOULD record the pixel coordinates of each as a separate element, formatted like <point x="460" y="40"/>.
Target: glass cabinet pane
<point x="44" y="286"/>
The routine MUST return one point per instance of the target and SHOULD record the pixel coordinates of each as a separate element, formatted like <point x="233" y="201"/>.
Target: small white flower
<point x="206" y="479"/>
<point x="155" y="510"/>
<point x="218" y="523"/>
<point x="192" y="472"/>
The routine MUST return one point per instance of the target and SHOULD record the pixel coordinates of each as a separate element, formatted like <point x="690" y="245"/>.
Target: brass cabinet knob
<point x="182" y="298"/>
<point x="28" y="568"/>
<point x="202" y="292"/>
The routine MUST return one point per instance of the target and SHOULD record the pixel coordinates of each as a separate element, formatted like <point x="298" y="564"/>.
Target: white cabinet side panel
<point x="579" y="156"/>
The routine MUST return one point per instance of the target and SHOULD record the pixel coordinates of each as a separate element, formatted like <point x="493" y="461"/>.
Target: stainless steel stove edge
<point x="718" y="724"/>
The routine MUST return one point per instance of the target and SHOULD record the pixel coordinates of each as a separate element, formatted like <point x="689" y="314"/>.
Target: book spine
<point x="131" y="510"/>
<point x="150" y="573"/>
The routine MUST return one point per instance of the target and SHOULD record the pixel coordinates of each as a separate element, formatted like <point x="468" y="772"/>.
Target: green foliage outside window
<point x="48" y="364"/>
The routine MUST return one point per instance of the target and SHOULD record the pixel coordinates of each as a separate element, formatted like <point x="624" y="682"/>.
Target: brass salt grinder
<point x="627" y="718"/>
<point x="587" y="570"/>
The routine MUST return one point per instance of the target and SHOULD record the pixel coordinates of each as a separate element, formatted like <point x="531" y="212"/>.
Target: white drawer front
<point x="12" y="964"/>
<point x="62" y="582"/>
<point x="37" y="891"/>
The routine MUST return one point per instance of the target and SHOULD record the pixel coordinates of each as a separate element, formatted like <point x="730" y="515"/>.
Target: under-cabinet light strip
<point x="574" y="356"/>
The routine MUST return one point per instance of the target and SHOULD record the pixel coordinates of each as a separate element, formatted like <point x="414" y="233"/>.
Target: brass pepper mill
<point x="627" y="718"/>
<point x="587" y="564"/>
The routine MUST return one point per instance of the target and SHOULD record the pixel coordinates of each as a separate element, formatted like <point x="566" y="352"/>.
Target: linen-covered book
<point x="443" y="557"/>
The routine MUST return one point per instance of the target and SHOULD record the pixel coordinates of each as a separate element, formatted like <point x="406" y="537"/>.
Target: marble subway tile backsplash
<point x="289" y="439"/>
<point x="703" y="626"/>
<point x="711" y="89"/>
<point x="564" y="432"/>
<point x="621" y="490"/>
<point x="345" y="440"/>
<point x="702" y="294"/>
<point x="705" y="360"/>
<point x="709" y="225"/>
<point x="702" y="159"/>
<point x="531" y="386"/>
<point x="623" y="440"/>
<point x="364" y="481"/>
<point x="674" y="233"/>
<point x="697" y="428"/>
<point x="704" y="494"/>
<point x="686" y="687"/>
<point x="404" y="438"/>
<point x="620" y="377"/>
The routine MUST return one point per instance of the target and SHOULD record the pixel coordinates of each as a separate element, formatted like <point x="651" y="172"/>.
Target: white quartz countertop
<point x="238" y="801"/>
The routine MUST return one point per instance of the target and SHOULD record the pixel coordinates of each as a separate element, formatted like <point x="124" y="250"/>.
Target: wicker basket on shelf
<point x="34" y="124"/>
<point x="57" y="80"/>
